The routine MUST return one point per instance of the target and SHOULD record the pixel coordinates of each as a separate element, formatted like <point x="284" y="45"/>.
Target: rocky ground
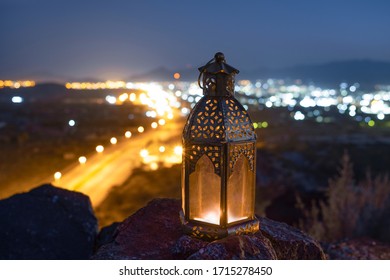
<point x="47" y="223"/>
<point x="52" y="223"/>
<point x="159" y="220"/>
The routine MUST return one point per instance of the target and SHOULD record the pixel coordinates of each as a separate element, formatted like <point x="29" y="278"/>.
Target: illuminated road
<point x="102" y="171"/>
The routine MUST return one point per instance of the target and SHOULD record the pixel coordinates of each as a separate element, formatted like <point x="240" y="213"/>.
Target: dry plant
<point x="352" y="209"/>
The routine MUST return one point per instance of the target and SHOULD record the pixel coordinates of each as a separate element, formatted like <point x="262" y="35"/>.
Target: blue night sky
<point x="53" y="39"/>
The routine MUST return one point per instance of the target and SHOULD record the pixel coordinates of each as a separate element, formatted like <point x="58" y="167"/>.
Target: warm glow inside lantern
<point x="219" y="149"/>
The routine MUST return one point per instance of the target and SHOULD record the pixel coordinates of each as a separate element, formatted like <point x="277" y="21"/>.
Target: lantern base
<point x="211" y="232"/>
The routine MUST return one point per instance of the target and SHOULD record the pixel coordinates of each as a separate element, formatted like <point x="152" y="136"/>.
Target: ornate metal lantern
<point x="219" y="159"/>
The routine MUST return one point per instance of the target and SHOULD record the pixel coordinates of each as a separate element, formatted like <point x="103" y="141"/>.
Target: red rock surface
<point x="154" y="232"/>
<point x="148" y="234"/>
<point x="358" y="249"/>
<point x="246" y="247"/>
<point x="290" y="243"/>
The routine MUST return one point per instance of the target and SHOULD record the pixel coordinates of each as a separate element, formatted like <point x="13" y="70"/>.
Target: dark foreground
<point x="52" y="223"/>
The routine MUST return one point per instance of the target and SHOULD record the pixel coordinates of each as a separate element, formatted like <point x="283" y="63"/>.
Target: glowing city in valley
<point x="304" y="101"/>
<point x="163" y="97"/>
<point x="16" y="84"/>
<point x="163" y="103"/>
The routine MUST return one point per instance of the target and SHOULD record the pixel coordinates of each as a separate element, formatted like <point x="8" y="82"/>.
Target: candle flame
<point x="211" y="217"/>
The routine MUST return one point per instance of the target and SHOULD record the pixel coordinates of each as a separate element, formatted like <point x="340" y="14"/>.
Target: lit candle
<point x="211" y="217"/>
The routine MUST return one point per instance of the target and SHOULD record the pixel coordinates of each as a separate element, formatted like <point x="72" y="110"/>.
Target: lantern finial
<point x="217" y="77"/>
<point x="219" y="57"/>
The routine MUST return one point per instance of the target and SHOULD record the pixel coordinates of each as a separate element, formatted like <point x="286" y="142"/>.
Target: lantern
<point x="219" y="159"/>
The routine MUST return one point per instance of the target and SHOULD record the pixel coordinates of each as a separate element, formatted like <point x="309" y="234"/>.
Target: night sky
<point x="52" y="39"/>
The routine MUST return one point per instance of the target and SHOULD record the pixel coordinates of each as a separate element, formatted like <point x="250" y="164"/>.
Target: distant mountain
<point x="42" y="77"/>
<point x="366" y="72"/>
<point x="165" y="74"/>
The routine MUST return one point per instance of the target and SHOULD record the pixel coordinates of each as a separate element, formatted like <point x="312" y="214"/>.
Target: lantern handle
<point x="202" y="69"/>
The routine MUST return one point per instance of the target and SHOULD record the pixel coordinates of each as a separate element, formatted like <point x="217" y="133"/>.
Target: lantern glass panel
<point x="240" y="192"/>
<point x="205" y="192"/>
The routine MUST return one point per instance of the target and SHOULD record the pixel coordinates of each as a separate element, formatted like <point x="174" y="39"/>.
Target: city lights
<point x="163" y="99"/>
<point x="162" y="155"/>
<point x="71" y="123"/>
<point x="299" y="116"/>
<point x="99" y="148"/>
<point x="153" y="166"/>
<point x="113" y="140"/>
<point x="82" y="160"/>
<point x="144" y="153"/>
<point x="95" y="86"/>
<point x="176" y="76"/>
<point x="111" y="99"/>
<point x="16" y="84"/>
<point x="153" y="95"/>
<point x="166" y="101"/>
<point x="381" y="116"/>
<point x="123" y="97"/>
<point x="57" y="175"/>
<point x="127" y="134"/>
<point x="132" y="97"/>
<point x="154" y="125"/>
<point x="141" y="129"/>
<point x="17" y="99"/>
<point x="273" y="93"/>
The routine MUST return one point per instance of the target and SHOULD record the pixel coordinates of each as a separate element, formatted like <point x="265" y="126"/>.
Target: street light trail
<point x="113" y="166"/>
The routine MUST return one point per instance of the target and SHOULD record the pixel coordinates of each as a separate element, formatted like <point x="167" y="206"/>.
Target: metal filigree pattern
<point x="209" y="82"/>
<point x="194" y="152"/>
<point x="217" y="119"/>
<point x="230" y="84"/>
<point x="205" y="233"/>
<point x="245" y="228"/>
<point x="208" y="123"/>
<point x="238" y="125"/>
<point x="248" y="150"/>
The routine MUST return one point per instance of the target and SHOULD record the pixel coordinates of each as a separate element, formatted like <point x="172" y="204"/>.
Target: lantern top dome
<point x="218" y="65"/>
<point x="218" y="120"/>
<point x="216" y="78"/>
<point x="218" y="116"/>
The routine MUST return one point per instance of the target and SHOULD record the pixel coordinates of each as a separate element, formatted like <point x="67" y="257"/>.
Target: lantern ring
<point x="203" y="69"/>
<point x="200" y="74"/>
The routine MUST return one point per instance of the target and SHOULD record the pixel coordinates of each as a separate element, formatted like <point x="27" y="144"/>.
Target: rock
<point x="187" y="245"/>
<point x="150" y="233"/>
<point x="47" y="223"/>
<point x="154" y="232"/>
<point x="290" y="243"/>
<point x="358" y="249"/>
<point x="106" y="235"/>
<point x="246" y="247"/>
